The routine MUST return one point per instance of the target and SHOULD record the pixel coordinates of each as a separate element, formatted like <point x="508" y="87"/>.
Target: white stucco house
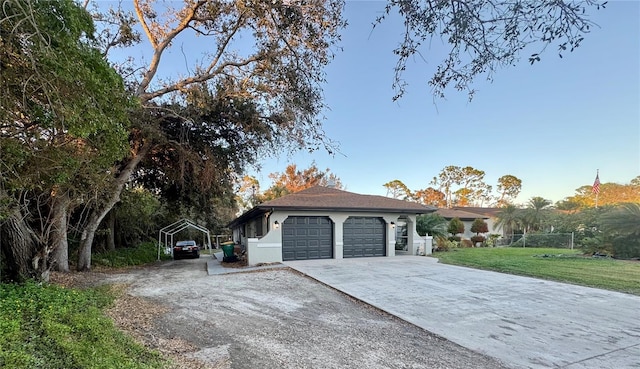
<point x="325" y="222"/>
<point x="466" y="217"/>
<point x="490" y="215"/>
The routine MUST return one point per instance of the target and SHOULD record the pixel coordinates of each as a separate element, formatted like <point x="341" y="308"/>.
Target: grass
<point x="561" y="265"/>
<point x="45" y="326"/>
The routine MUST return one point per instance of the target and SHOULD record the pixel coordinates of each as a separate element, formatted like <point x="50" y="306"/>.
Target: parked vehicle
<point x="186" y="248"/>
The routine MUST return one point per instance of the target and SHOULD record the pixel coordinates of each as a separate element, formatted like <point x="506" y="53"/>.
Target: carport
<point x="165" y="236"/>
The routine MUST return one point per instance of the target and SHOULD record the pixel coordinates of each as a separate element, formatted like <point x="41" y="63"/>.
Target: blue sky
<point x="552" y="124"/>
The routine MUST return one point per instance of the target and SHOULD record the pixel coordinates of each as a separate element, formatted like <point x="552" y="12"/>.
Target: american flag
<point x="596" y="185"/>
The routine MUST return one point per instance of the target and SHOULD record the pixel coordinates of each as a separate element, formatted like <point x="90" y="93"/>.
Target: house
<point x="490" y="215"/>
<point x="466" y="217"/>
<point x="325" y="222"/>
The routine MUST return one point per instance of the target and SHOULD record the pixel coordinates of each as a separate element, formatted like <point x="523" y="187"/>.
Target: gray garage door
<point x="307" y="238"/>
<point x="364" y="236"/>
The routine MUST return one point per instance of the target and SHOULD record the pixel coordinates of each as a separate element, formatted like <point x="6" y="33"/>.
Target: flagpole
<point x="596" y="186"/>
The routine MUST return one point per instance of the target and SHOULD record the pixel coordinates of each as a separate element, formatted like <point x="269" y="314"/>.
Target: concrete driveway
<point x="524" y="322"/>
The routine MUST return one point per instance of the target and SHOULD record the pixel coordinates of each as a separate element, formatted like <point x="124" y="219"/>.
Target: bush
<point x="466" y="243"/>
<point x="626" y="247"/>
<point x="477" y="238"/>
<point x="443" y="244"/>
<point x="491" y="241"/>
<point x="454" y="238"/>
<point x="595" y="245"/>
<point x="144" y="253"/>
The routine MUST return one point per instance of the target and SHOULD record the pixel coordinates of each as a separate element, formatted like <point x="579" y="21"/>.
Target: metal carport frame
<point x="166" y="233"/>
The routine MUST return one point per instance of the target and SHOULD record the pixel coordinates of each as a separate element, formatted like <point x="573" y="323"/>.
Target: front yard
<point x="560" y="265"/>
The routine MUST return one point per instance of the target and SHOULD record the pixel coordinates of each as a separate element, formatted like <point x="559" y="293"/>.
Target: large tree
<point x="509" y="187"/>
<point x="610" y="194"/>
<point x="466" y="183"/>
<point x="279" y="68"/>
<point x="294" y="180"/>
<point x="398" y="190"/>
<point x="63" y="121"/>
<point x="483" y="36"/>
<point x="536" y="213"/>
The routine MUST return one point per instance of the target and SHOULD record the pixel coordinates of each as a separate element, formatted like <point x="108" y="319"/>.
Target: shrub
<point x="491" y="241"/>
<point x="479" y="226"/>
<point x="454" y="238"/>
<point x="144" y="253"/>
<point x="455" y="226"/>
<point x="626" y="247"/>
<point x="443" y="244"/>
<point x="466" y="243"/>
<point x="477" y="239"/>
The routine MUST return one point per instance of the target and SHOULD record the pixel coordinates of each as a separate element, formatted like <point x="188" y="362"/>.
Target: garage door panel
<point x="307" y="238"/>
<point x="364" y="237"/>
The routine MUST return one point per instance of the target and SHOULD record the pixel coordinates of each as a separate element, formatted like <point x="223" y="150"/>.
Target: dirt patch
<point x="269" y="319"/>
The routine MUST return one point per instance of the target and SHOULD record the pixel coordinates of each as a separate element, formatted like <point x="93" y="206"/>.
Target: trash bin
<point x="227" y="248"/>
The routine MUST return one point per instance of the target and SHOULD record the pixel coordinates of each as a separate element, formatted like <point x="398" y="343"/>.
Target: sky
<point x="552" y="124"/>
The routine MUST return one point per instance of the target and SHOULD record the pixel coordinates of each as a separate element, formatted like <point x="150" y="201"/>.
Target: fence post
<point x="571" y="240"/>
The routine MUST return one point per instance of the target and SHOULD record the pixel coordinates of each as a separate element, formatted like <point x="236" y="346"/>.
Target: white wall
<point x="268" y="249"/>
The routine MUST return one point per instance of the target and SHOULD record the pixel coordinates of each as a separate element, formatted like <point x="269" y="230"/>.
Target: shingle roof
<point x="462" y="215"/>
<point x="489" y="212"/>
<point x="331" y="199"/>
<point x="319" y="197"/>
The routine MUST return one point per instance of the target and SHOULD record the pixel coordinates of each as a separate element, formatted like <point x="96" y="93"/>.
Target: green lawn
<point x="553" y="264"/>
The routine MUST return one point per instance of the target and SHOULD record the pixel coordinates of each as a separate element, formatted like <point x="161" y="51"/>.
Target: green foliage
<point x="626" y="247"/>
<point x="567" y="266"/>
<point x="144" y="253"/>
<point x="432" y="224"/>
<point x="443" y="244"/>
<point x="136" y="216"/>
<point x="479" y="226"/>
<point x="455" y="226"/>
<point x="49" y="327"/>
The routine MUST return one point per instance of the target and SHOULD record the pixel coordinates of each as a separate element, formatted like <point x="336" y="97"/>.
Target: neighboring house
<point x="324" y="223"/>
<point x="466" y="217"/>
<point x="490" y="215"/>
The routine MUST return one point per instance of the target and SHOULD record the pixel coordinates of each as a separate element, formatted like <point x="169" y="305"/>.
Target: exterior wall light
<point x="393" y="225"/>
<point x="276" y="225"/>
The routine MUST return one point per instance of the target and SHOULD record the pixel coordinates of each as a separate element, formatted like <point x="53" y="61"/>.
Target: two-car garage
<point x="312" y="237"/>
<point x="324" y="222"/>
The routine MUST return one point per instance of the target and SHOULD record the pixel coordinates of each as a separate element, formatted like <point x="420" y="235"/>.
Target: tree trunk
<point x="111" y="234"/>
<point x="89" y="232"/>
<point x="59" y="240"/>
<point x="18" y="246"/>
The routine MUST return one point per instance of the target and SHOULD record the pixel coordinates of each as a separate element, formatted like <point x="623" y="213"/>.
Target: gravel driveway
<point x="271" y="319"/>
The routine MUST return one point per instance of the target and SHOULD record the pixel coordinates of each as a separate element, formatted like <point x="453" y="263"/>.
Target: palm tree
<point x="535" y="213"/>
<point x="510" y="219"/>
<point x="624" y="220"/>
<point x="432" y="224"/>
